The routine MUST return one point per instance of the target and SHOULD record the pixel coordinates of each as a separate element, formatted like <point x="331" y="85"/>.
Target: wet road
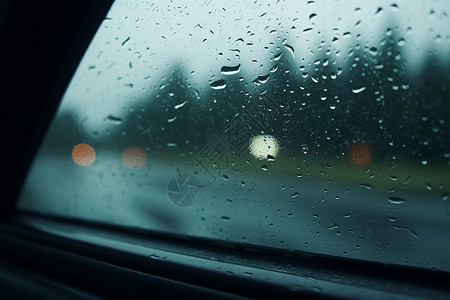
<point x="275" y="211"/>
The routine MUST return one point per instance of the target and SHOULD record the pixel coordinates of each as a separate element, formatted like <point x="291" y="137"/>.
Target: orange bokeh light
<point x="360" y="154"/>
<point x="134" y="157"/>
<point x="83" y="154"/>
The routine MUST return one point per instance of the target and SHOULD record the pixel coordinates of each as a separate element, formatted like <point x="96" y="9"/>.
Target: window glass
<point x="319" y="126"/>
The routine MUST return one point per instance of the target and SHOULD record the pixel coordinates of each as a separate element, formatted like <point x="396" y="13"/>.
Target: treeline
<point x="326" y="107"/>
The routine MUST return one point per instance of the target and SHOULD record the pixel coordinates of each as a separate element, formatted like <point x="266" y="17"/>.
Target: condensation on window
<point x="317" y="126"/>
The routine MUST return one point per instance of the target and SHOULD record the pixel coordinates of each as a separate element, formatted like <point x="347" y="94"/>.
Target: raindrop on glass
<point x="278" y="56"/>
<point x="396" y="200"/>
<point x="114" y="120"/>
<point x="261" y="79"/>
<point x="358" y="90"/>
<point x="231" y="70"/>
<point x="219" y="84"/>
<point x="290" y="49"/>
<point x="365" y="185"/>
<point x="180" y="105"/>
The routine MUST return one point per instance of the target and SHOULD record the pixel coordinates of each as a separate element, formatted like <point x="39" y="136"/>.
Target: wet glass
<point x="309" y="126"/>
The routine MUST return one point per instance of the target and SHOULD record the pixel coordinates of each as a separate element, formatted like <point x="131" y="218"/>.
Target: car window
<point x="300" y="125"/>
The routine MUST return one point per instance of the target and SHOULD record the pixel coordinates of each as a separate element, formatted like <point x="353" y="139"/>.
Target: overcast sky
<point x="139" y="43"/>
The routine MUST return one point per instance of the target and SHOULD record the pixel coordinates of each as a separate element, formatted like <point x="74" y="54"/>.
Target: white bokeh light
<point x="264" y="146"/>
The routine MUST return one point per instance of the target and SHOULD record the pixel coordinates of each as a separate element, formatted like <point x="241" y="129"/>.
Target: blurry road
<point x="275" y="211"/>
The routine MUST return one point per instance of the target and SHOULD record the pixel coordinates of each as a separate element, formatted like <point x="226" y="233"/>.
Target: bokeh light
<point x="83" y="154"/>
<point x="134" y="157"/>
<point x="264" y="146"/>
<point x="360" y="154"/>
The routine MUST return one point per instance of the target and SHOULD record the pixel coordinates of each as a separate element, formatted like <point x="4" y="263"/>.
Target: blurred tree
<point x="429" y="132"/>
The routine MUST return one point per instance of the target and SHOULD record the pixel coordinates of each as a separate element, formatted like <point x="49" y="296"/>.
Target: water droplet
<point x="261" y="79"/>
<point x="407" y="181"/>
<point x="264" y="167"/>
<point x="379" y="11"/>
<point x="365" y="185"/>
<point x="225" y="218"/>
<point x="290" y="49"/>
<point x="231" y="70"/>
<point x="270" y="157"/>
<point x="401" y="42"/>
<point x="197" y="93"/>
<point x="332" y="226"/>
<point x="358" y="90"/>
<point x="157" y="257"/>
<point x="373" y="51"/>
<point x="219" y="84"/>
<point x="412" y="232"/>
<point x="326" y="166"/>
<point x="225" y="177"/>
<point x="311" y="16"/>
<point x="304" y="148"/>
<point x="180" y="105"/>
<point x="396" y="200"/>
<point x="294" y="195"/>
<point x="445" y="197"/>
<point x="278" y="56"/>
<point x="171" y="120"/>
<point x="114" y="120"/>
<point x="394" y="178"/>
<point x="126" y="41"/>
<point x="428" y="186"/>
